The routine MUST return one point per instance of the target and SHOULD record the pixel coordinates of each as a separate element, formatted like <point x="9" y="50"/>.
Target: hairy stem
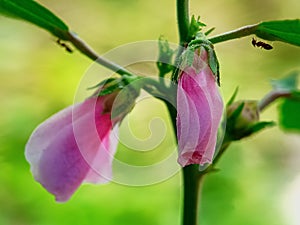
<point x="183" y="19"/>
<point x="271" y="97"/>
<point x="192" y="181"/>
<point x="90" y="53"/>
<point x="238" y="33"/>
<point x="173" y="114"/>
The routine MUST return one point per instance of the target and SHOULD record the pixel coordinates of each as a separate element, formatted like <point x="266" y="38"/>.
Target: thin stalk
<point x="85" y="49"/>
<point x="271" y="97"/>
<point x="238" y="33"/>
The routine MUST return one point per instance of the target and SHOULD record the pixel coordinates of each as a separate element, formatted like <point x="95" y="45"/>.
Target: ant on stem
<point x="65" y="46"/>
<point x="261" y="44"/>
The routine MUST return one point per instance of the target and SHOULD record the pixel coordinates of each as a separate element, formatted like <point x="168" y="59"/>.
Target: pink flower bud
<point x="199" y="112"/>
<point x="73" y="146"/>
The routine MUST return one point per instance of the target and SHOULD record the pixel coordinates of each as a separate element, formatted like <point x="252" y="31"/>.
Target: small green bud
<point x="248" y="116"/>
<point x="241" y="117"/>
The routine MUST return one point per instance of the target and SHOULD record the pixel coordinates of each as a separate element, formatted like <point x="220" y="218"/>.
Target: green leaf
<point x="232" y="98"/>
<point x="260" y="126"/>
<point x="283" y="30"/>
<point x="33" y="12"/>
<point x="296" y="95"/>
<point x="288" y="83"/>
<point x="289" y="112"/>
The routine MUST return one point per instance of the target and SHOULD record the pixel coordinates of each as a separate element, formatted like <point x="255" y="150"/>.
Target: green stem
<point x="173" y="115"/>
<point x="90" y="53"/>
<point x="183" y="20"/>
<point x="238" y="33"/>
<point x="271" y="97"/>
<point x="192" y="180"/>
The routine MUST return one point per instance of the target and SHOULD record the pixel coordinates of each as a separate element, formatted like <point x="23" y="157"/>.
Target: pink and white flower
<point x="73" y="146"/>
<point x="199" y="111"/>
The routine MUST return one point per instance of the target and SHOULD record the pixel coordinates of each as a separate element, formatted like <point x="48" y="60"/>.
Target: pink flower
<point x="199" y="112"/>
<point x="73" y="146"/>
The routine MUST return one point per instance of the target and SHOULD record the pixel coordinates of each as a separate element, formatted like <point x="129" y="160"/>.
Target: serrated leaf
<point x="289" y="112"/>
<point x="288" y="83"/>
<point x="283" y="30"/>
<point x="33" y="12"/>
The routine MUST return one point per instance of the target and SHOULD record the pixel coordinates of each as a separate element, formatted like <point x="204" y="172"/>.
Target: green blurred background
<point x="38" y="78"/>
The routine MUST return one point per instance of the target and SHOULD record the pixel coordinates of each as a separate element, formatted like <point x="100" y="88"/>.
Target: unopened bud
<point x="241" y="116"/>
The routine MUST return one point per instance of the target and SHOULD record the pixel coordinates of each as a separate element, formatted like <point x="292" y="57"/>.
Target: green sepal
<point x="209" y="31"/>
<point x="114" y="84"/>
<point x="102" y="83"/>
<point x="258" y="127"/>
<point x="202" y="41"/>
<point x="194" y="27"/>
<point x="283" y="30"/>
<point x="126" y="99"/>
<point x="126" y="102"/>
<point x="110" y="89"/>
<point x="213" y="63"/>
<point x="33" y="12"/>
<point x="232" y="98"/>
<point x="187" y="57"/>
<point x="125" y="90"/>
<point x="232" y="118"/>
<point x="185" y="60"/>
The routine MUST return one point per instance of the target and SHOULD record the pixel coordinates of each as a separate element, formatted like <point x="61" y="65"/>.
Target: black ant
<point x="68" y="49"/>
<point x="261" y="44"/>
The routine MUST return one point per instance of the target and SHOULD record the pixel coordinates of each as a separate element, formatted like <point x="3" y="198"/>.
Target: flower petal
<point x="70" y="147"/>
<point x="199" y="108"/>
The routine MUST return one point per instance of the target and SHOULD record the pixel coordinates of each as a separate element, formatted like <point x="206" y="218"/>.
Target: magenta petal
<point x="199" y="108"/>
<point x="70" y="147"/>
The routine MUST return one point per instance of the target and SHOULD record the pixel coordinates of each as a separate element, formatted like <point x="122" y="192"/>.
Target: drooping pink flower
<point x="199" y="112"/>
<point x="73" y="146"/>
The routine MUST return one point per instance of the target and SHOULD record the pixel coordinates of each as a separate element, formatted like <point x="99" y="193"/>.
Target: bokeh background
<point x="259" y="178"/>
